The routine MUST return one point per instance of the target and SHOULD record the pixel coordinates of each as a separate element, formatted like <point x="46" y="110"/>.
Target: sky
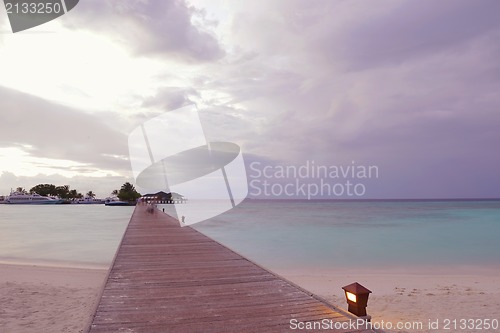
<point x="411" y="87"/>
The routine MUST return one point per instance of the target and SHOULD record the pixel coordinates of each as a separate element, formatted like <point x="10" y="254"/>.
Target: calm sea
<point x="280" y="234"/>
<point x="78" y="235"/>
<point x="377" y="234"/>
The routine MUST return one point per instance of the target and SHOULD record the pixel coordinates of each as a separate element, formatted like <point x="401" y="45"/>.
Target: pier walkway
<point x="167" y="278"/>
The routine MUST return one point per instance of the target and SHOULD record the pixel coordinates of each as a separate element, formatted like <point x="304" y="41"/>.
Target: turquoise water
<point x="281" y="234"/>
<point x="369" y="234"/>
<point x="61" y="234"/>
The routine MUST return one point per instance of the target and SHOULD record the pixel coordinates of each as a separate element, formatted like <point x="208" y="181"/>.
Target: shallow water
<point x="370" y="234"/>
<point x="279" y="234"/>
<point x="58" y="234"/>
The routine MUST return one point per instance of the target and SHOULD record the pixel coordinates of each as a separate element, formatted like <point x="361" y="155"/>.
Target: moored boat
<point x="114" y="201"/>
<point x="17" y="198"/>
<point x="89" y="201"/>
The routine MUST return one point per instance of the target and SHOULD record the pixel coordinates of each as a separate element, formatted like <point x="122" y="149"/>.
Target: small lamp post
<point x="357" y="298"/>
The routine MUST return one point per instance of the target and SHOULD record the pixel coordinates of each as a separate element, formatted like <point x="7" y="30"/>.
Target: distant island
<point x="127" y="195"/>
<point x="50" y="193"/>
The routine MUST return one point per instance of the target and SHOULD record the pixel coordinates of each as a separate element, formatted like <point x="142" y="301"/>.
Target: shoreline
<point x="62" y="299"/>
<point x="53" y="264"/>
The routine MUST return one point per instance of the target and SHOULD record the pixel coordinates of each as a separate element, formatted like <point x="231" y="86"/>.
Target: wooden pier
<point x="167" y="278"/>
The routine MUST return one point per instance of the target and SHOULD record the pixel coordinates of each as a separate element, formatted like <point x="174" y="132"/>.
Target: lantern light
<point x="357" y="298"/>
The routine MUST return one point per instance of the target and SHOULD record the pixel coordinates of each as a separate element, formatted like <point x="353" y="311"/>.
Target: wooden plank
<point x="166" y="278"/>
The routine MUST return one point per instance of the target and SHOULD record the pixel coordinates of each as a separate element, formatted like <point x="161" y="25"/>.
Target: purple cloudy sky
<point x="409" y="86"/>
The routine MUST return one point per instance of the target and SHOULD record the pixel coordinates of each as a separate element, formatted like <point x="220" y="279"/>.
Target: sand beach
<point x="62" y="299"/>
<point x="414" y="296"/>
<point x="47" y="299"/>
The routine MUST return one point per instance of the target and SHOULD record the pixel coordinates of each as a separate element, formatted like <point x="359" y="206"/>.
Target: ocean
<point x="377" y="234"/>
<point x="278" y="234"/>
<point x="66" y="235"/>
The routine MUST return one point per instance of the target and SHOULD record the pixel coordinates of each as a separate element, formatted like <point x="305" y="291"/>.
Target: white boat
<point x="114" y="201"/>
<point x="16" y="198"/>
<point x="89" y="201"/>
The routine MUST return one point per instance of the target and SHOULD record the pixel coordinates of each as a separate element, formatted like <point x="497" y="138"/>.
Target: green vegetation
<point x="62" y="192"/>
<point x="128" y="193"/>
<point x="75" y="194"/>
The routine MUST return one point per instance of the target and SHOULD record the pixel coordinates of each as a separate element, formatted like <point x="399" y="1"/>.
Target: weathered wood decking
<point x="165" y="278"/>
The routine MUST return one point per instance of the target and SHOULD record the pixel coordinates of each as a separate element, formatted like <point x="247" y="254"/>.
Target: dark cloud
<point x="411" y="29"/>
<point x="58" y="132"/>
<point x="411" y="87"/>
<point x="354" y="36"/>
<point x="149" y="27"/>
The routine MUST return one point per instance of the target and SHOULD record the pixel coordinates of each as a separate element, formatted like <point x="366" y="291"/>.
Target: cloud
<point x="149" y="28"/>
<point x="4" y="26"/>
<point x="170" y="98"/>
<point x="49" y="130"/>
<point x="399" y="31"/>
<point x="410" y="86"/>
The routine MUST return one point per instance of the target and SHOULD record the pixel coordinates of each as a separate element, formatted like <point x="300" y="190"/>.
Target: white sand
<point x="413" y="296"/>
<point x="47" y="299"/>
<point x="59" y="300"/>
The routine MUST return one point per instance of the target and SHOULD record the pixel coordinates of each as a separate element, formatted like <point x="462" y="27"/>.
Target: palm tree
<point x="127" y="187"/>
<point x="73" y="194"/>
<point x="61" y="191"/>
<point x="90" y="194"/>
<point x="128" y="193"/>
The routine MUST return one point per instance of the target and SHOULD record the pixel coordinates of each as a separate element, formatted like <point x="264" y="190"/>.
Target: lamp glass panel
<point x="351" y="296"/>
